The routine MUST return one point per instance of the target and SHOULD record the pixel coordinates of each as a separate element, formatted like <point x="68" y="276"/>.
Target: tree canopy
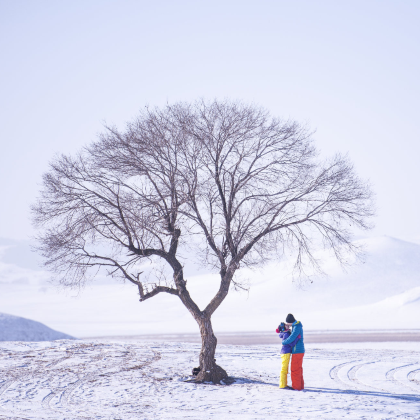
<point x="222" y="180"/>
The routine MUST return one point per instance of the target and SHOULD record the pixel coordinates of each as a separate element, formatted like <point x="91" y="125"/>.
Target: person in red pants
<point x="298" y="351"/>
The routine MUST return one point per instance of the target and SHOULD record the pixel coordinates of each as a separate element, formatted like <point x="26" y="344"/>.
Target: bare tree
<point x="223" y="179"/>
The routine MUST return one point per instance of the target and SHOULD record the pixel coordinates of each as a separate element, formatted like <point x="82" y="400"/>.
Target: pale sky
<point x="349" y="68"/>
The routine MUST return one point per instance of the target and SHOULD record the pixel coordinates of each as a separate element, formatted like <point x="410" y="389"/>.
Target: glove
<point x="277" y="330"/>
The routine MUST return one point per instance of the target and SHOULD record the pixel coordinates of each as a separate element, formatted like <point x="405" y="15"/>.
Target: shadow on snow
<point x="409" y="397"/>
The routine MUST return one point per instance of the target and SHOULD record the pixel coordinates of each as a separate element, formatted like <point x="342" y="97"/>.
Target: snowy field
<point x="126" y="380"/>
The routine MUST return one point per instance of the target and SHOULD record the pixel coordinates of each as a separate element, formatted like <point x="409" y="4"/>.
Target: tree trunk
<point x="209" y="370"/>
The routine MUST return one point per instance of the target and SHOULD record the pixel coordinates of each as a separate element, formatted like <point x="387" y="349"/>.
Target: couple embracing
<point x="291" y="333"/>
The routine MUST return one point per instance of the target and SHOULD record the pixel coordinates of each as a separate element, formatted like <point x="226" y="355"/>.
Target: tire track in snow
<point x="390" y="376"/>
<point x="335" y="370"/>
<point x="39" y="367"/>
<point x="66" y="396"/>
<point x="411" y="376"/>
<point x="3" y="388"/>
<point x="47" y="399"/>
<point x="15" y="374"/>
<point x="73" y="350"/>
<point x="352" y="375"/>
<point x="8" y="383"/>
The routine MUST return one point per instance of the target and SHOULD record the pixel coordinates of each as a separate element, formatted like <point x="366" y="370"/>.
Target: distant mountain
<point x="14" y="328"/>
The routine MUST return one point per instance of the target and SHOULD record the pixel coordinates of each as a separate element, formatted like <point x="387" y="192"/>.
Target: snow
<point x="125" y="380"/>
<point x="14" y="328"/>
<point x="381" y="293"/>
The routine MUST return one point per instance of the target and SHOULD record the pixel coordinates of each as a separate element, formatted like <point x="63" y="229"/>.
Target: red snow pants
<point x="296" y="371"/>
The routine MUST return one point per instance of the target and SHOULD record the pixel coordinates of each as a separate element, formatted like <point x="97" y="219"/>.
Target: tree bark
<point x="209" y="370"/>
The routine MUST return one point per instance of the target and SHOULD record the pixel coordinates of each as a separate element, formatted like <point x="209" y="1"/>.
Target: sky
<point x="350" y="69"/>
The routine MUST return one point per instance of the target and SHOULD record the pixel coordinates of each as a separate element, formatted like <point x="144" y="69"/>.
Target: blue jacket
<point x="298" y="347"/>
<point x="287" y="348"/>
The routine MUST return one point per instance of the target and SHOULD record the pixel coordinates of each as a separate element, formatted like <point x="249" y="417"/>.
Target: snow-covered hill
<point x="383" y="292"/>
<point x="14" y="328"/>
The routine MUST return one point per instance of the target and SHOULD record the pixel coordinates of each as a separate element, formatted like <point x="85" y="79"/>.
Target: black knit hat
<point x="290" y="319"/>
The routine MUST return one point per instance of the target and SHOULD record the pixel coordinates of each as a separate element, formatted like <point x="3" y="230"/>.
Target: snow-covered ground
<point x="125" y="380"/>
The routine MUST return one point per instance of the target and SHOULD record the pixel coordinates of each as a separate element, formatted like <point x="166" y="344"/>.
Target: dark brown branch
<point x="222" y="180"/>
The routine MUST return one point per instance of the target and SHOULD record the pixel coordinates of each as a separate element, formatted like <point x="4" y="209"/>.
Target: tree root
<point x="214" y="375"/>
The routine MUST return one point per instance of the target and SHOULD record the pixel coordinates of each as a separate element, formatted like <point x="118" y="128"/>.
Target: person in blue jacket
<point x="284" y="332"/>
<point x="298" y="351"/>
